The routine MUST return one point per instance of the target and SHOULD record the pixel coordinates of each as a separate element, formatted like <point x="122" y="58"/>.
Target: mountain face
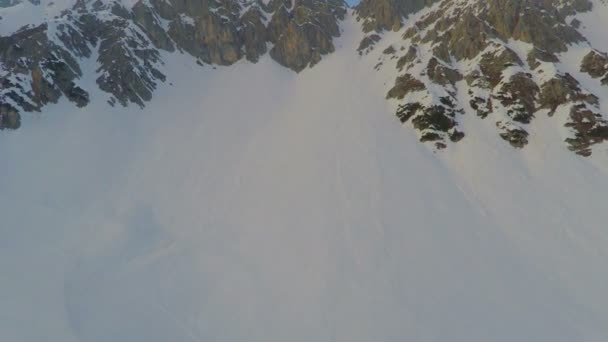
<point x="252" y="171"/>
<point x="498" y="58"/>
<point x="502" y="59"/>
<point x="42" y="62"/>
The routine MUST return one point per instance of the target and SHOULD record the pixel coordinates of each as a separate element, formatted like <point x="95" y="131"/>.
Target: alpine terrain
<point x="303" y="170"/>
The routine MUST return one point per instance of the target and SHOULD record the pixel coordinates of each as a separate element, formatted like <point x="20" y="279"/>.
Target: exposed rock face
<point x="225" y="31"/>
<point x="127" y="61"/>
<point x="492" y="64"/>
<point x="9" y="117"/>
<point x="146" y="18"/>
<point x="561" y="90"/>
<point x="42" y="64"/>
<point x="596" y="65"/>
<point x="498" y="60"/>
<point x="379" y="15"/>
<point x="519" y="96"/>
<point x="404" y="85"/>
<point x="589" y="128"/>
<point x="367" y="44"/>
<point x="408" y="58"/>
<point x="308" y="34"/>
<point x="442" y="74"/>
<point x="254" y="34"/>
<point x="36" y="71"/>
<point x="517" y="137"/>
<point x="499" y="55"/>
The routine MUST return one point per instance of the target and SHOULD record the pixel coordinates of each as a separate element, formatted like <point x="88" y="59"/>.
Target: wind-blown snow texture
<point x="249" y="203"/>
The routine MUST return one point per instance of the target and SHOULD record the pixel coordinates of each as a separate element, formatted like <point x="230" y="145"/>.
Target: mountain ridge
<point x="501" y="59"/>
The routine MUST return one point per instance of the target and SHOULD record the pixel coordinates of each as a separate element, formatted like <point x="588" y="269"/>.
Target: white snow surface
<point x="249" y="203"/>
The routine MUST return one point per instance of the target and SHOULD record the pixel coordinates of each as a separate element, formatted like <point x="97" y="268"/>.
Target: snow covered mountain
<point x="515" y="59"/>
<point x="41" y="61"/>
<point x="178" y="170"/>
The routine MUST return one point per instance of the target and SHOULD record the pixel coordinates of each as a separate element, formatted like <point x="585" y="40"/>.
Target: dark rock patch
<point x="404" y="85"/>
<point x="596" y="65"/>
<point x="9" y="117"/>
<point x="519" y="96"/>
<point x="441" y="74"/>
<point x="367" y="43"/>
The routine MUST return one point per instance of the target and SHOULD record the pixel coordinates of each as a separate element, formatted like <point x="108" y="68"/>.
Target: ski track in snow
<point x="252" y="204"/>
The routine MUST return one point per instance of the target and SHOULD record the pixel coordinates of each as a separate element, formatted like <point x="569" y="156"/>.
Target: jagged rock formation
<point x="40" y="64"/>
<point x="379" y="15"/>
<point x="307" y="34"/>
<point x="35" y="71"/>
<point x="596" y="65"/>
<point x="498" y="59"/>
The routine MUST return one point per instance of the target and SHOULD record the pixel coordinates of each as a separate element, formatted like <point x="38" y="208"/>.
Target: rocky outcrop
<point x="36" y="71"/>
<point x="537" y="56"/>
<point x="589" y="128"/>
<point x="308" y="34"/>
<point x="9" y="117"/>
<point x="595" y="63"/>
<point x="380" y="15"/>
<point x="512" y="134"/>
<point x="404" y="85"/>
<point x="367" y="43"/>
<point x="501" y="56"/>
<point x="492" y="65"/>
<point x="254" y="34"/>
<point x="42" y="64"/>
<point x="498" y="60"/>
<point x="150" y="22"/>
<point x="225" y="31"/>
<point x="127" y="61"/>
<point x="561" y="90"/>
<point x="584" y="119"/>
<point x="408" y="58"/>
<point x="519" y="95"/>
<point x="441" y="74"/>
<point x="435" y="122"/>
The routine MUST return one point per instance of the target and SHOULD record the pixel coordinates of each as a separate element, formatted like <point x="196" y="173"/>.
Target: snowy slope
<point x="249" y="203"/>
